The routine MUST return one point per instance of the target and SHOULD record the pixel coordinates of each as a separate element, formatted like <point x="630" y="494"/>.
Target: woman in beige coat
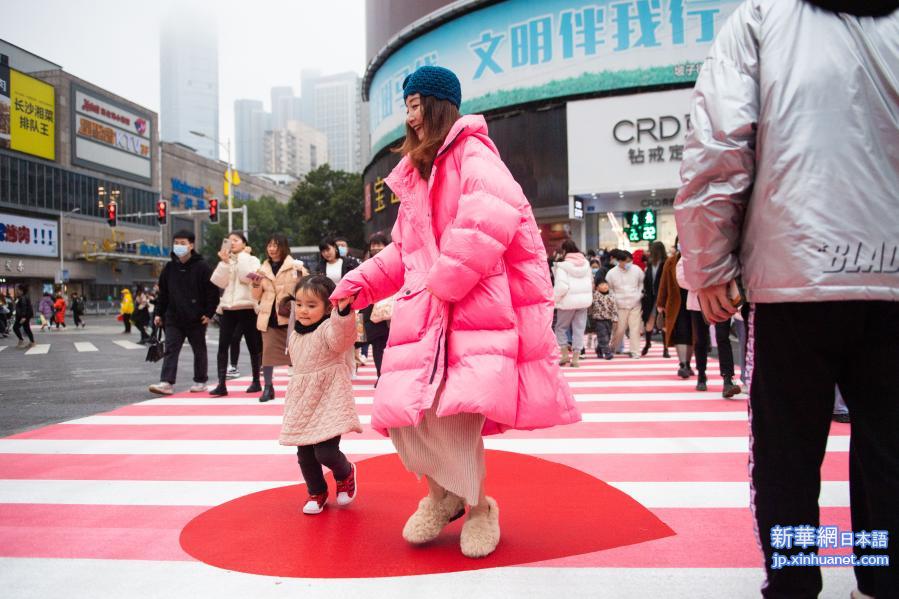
<point x="237" y="308"/>
<point x="273" y="284"/>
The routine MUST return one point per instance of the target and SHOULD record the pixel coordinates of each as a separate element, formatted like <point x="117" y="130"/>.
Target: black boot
<point x="665" y="353"/>
<point x="683" y="372"/>
<point x="220" y="390"/>
<point x="268" y="394"/>
<point x="255" y="366"/>
<point x="729" y="389"/>
<point x="646" y="346"/>
<point x="701" y="383"/>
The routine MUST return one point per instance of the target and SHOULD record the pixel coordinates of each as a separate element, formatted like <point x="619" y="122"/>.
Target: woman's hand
<point x="224" y="255"/>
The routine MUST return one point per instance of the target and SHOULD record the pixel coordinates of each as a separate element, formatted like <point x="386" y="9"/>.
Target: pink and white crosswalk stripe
<point x="94" y="507"/>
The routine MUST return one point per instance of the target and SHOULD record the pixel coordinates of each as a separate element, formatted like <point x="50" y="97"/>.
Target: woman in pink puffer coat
<point x="471" y="350"/>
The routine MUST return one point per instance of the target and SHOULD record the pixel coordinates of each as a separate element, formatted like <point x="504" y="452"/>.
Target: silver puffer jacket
<point x="791" y="170"/>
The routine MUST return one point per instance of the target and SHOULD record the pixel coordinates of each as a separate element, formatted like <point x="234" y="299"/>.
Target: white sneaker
<point x="162" y="388"/>
<point x="198" y="388"/>
<point x="635" y="355"/>
<point x="315" y="504"/>
<point x="232" y="373"/>
<point x="290" y="371"/>
<point x="346" y="489"/>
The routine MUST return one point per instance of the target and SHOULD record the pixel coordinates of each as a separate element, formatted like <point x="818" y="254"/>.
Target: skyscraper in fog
<point x="338" y="114"/>
<point x="308" y="79"/>
<point x="250" y="124"/>
<point x="189" y="84"/>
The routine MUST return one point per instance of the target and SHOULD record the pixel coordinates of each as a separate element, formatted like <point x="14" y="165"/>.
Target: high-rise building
<point x="308" y="78"/>
<point x="282" y="106"/>
<point x="250" y="124"/>
<point x="189" y="85"/>
<point x="338" y="114"/>
<point x="295" y="150"/>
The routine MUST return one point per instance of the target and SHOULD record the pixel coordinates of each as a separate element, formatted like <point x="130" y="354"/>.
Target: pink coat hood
<point x="475" y="301"/>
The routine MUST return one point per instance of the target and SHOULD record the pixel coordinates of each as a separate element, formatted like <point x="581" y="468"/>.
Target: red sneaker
<point x="346" y="488"/>
<point x="315" y="503"/>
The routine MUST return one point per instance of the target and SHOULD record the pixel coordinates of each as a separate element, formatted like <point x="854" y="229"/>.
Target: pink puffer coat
<point x="475" y="301"/>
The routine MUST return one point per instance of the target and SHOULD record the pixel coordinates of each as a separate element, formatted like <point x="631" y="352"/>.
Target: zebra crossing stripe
<point x="38" y="349"/>
<point x="128" y="344"/>
<point x="85" y="346"/>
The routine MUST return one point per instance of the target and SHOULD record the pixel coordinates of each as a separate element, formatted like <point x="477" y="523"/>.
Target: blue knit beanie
<point x="439" y="82"/>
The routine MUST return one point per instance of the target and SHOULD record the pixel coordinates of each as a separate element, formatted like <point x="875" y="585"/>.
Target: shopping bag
<point x="155" y="347"/>
<point x="383" y="310"/>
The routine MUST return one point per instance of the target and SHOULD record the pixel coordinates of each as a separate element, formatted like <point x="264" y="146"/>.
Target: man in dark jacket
<point x="185" y="304"/>
<point x="24" y="314"/>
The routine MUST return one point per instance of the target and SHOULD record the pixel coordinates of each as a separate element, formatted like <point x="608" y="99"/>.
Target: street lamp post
<point x="230" y="170"/>
<point x="62" y="237"/>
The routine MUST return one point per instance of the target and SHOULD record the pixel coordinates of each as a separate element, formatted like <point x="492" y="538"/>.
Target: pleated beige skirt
<point x="274" y="344"/>
<point x="448" y="450"/>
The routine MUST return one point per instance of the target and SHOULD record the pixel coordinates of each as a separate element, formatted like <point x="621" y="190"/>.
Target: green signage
<point x="641" y="226"/>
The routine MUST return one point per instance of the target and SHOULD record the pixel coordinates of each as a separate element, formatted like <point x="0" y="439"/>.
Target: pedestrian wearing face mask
<point x="335" y="261"/>
<point x="626" y="282"/>
<point x="185" y="304"/>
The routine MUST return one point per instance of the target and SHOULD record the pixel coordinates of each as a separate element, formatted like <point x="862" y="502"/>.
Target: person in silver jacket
<point x="791" y="183"/>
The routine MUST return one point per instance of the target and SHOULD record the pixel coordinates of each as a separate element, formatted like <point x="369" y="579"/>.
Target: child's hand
<point x="342" y="304"/>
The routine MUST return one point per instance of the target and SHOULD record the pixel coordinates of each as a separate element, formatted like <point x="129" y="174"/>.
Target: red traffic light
<point x="112" y="214"/>
<point x="213" y="210"/>
<point x="162" y="211"/>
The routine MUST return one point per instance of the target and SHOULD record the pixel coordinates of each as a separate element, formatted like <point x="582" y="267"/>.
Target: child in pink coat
<point x="319" y="406"/>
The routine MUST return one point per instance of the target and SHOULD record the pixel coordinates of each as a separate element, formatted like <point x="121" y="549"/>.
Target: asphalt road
<point x="38" y="389"/>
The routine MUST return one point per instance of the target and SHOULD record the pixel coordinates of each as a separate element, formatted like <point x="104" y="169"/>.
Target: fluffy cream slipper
<point x="480" y="535"/>
<point x="431" y="517"/>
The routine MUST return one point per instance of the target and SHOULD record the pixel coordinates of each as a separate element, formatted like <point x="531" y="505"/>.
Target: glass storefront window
<point x="29" y="184"/>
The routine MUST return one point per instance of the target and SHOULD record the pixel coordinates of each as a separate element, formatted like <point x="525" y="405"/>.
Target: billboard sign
<point x="627" y="143"/>
<point x="111" y="138"/>
<point x="24" y="236"/>
<point x="522" y="51"/>
<point x="27" y="114"/>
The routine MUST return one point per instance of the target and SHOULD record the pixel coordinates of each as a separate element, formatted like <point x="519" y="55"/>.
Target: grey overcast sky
<point x="262" y="43"/>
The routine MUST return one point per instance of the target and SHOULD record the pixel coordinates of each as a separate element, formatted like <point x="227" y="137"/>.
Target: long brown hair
<point x="438" y="117"/>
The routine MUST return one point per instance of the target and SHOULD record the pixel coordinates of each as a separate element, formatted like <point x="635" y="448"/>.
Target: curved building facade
<point x="587" y="101"/>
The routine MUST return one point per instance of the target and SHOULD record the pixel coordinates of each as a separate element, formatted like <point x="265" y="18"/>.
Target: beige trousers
<point x="632" y="321"/>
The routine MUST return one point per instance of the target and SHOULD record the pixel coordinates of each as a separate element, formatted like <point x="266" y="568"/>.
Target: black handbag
<point x="155" y="347"/>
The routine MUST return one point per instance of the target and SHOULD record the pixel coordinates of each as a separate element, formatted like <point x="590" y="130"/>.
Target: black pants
<point x="797" y="353"/>
<point x="126" y="318"/>
<point x="20" y="326"/>
<point x="702" y="342"/>
<point x="174" y="339"/>
<point x="230" y="324"/>
<point x="234" y="348"/>
<point x="77" y="317"/>
<point x="378" y="346"/>
<point x="603" y="337"/>
<point x="327" y="453"/>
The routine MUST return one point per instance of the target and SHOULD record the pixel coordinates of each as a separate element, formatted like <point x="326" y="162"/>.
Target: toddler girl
<point x="319" y="406"/>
